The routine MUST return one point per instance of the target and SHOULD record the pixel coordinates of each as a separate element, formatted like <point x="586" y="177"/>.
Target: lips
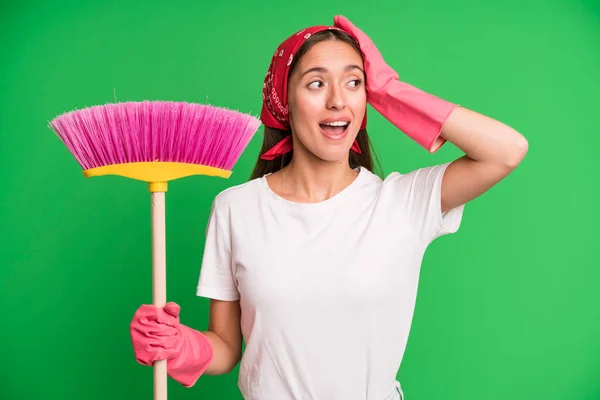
<point x="335" y="128"/>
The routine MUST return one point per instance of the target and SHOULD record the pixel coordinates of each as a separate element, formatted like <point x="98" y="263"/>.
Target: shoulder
<point x="426" y="175"/>
<point x="403" y="180"/>
<point x="236" y="196"/>
<point x="418" y="172"/>
<point x="415" y="197"/>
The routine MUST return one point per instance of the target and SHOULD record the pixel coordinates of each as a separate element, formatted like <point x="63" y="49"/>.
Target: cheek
<point x="356" y="103"/>
<point x="358" y="100"/>
<point x="304" y="112"/>
<point x="308" y="107"/>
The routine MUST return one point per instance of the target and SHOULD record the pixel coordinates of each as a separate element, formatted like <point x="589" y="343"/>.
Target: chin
<point x="332" y="155"/>
<point x="330" y="149"/>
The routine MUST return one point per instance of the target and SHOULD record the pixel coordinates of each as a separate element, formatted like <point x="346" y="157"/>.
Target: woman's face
<point x="327" y="100"/>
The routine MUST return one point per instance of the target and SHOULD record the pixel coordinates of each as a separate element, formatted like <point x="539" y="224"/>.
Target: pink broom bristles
<point x="155" y="131"/>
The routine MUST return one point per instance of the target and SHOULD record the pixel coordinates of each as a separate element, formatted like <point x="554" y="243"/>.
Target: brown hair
<point x="272" y="136"/>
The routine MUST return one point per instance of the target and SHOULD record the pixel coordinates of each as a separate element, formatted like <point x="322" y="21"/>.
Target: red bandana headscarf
<point x="275" y="113"/>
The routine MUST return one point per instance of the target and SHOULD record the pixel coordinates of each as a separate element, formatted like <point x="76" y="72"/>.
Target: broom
<point x="156" y="142"/>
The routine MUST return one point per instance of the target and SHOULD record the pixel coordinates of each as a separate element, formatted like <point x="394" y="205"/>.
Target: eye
<point x="315" y="84"/>
<point x="356" y="82"/>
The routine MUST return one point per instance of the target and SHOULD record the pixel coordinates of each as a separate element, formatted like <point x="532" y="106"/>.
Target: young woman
<point x="315" y="261"/>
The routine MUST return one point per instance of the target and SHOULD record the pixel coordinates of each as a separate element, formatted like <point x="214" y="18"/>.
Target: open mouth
<point x="335" y="129"/>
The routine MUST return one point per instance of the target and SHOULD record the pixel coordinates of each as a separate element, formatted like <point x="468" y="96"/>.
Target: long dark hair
<point x="367" y="158"/>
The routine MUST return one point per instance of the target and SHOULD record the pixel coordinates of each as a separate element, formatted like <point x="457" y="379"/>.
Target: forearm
<point x="484" y="139"/>
<point x="225" y="357"/>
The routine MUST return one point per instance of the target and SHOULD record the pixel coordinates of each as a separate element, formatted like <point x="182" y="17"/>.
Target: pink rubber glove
<point x="157" y="334"/>
<point x="419" y="115"/>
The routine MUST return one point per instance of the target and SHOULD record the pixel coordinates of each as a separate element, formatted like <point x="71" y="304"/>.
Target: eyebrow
<point x="349" y="67"/>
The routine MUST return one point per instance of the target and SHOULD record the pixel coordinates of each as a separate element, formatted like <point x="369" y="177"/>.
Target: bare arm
<point x="492" y="151"/>
<point x="225" y="335"/>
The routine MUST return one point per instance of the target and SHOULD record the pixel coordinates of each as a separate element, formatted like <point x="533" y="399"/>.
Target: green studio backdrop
<point x="507" y="308"/>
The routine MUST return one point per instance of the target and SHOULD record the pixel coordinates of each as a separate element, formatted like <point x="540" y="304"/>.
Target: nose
<point x="335" y="98"/>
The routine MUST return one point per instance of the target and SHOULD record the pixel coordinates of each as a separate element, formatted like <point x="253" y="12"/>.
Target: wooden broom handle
<point x="159" y="281"/>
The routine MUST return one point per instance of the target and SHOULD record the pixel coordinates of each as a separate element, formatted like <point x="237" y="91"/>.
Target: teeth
<point x="337" y="123"/>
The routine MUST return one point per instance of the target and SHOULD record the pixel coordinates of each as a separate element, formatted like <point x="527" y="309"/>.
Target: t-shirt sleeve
<point x="420" y="192"/>
<point x="216" y="276"/>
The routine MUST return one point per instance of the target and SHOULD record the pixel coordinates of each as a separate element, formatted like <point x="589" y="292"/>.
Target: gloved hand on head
<point x="418" y="114"/>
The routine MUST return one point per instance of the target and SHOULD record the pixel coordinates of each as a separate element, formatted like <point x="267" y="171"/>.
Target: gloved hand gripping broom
<point x="156" y="142"/>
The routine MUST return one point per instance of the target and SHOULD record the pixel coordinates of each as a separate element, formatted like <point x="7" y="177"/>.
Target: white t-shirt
<point x="327" y="290"/>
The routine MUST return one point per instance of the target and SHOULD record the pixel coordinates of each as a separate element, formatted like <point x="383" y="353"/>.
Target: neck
<point x="311" y="181"/>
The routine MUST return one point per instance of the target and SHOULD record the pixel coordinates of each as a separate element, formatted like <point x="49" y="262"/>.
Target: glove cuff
<point x="420" y="115"/>
<point x="194" y="358"/>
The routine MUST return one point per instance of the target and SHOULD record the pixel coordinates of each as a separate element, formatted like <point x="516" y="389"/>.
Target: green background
<point x="507" y="308"/>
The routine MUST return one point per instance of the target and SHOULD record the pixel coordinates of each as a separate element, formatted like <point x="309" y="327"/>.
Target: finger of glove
<point x="172" y="309"/>
<point x="155" y="331"/>
<point x="149" y="348"/>
<point x="149" y="314"/>
<point x="377" y="70"/>
<point x="147" y="354"/>
<point x="373" y="59"/>
<point x="151" y="341"/>
<point x="344" y="23"/>
<point x="153" y="328"/>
